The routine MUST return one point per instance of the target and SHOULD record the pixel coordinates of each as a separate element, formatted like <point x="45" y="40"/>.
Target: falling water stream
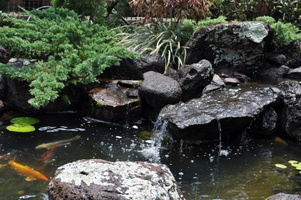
<point x="202" y="171"/>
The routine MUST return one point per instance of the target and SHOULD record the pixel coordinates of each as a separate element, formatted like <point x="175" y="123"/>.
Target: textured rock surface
<point x="159" y="90"/>
<point x="239" y="46"/>
<point x="282" y="196"/>
<point x="115" y="101"/>
<point x="291" y="111"/>
<point x="99" y="179"/>
<point x="234" y="109"/>
<point x="194" y="78"/>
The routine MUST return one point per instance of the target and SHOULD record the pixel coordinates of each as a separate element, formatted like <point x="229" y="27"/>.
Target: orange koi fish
<point x="45" y="157"/>
<point x="30" y="174"/>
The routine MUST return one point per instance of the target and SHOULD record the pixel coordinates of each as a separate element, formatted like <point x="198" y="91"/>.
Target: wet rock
<point x="231" y="81"/>
<point x="291" y="111"/>
<point x="4" y="55"/>
<point x="274" y="73"/>
<point x="194" y="78"/>
<point x="99" y="179"/>
<point x="282" y="196"/>
<point x="158" y="90"/>
<point x="234" y="109"/>
<point x="267" y="123"/>
<point x="133" y="69"/>
<point x="292" y="53"/>
<point x="277" y="59"/>
<point x="115" y="101"/>
<point x="294" y="73"/>
<point x="238" y="45"/>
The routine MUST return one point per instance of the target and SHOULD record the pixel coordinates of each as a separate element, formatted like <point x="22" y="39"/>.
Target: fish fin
<point x="30" y="179"/>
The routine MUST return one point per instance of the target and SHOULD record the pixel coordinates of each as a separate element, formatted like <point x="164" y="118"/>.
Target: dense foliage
<point x="244" y="10"/>
<point x="95" y="9"/>
<point x="69" y="50"/>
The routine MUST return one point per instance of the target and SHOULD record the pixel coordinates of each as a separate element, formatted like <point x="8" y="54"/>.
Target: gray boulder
<point x="239" y="46"/>
<point x="291" y="112"/>
<point x="99" y="179"/>
<point x="283" y="196"/>
<point x="275" y="73"/>
<point x="228" y="112"/>
<point x="158" y="90"/>
<point x="194" y="78"/>
<point x="294" y="73"/>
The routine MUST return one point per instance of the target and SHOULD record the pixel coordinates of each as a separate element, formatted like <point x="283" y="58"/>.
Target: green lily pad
<point x="24" y="120"/>
<point x="280" y="166"/>
<point x="21" y="128"/>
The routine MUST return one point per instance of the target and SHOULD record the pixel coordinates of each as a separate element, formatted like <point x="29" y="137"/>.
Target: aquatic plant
<point x="24" y="120"/>
<point x="23" y="128"/>
<point x="294" y="163"/>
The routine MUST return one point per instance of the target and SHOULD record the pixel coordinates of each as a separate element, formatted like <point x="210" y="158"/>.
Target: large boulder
<point x="292" y="53"/>
<point x="227" y="112"/>
<point x="99" y="179"/>
<point x="291" y="111"/>
<point x="158" y="90"/>
<point x="194" y="78"/>
<point x="239" y="46"/>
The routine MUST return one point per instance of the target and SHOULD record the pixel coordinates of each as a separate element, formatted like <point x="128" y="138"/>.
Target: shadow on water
<point x="241" y="172"/>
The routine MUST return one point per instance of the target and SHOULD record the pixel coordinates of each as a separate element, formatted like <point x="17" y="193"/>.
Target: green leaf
<point x="20" y="128"/>
<point x="24" y="120"/>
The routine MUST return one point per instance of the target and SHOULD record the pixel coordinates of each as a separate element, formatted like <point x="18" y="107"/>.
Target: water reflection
<point x="240" y="172"/>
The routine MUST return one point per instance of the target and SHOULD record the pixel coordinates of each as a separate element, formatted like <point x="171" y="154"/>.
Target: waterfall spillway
<point x="221" y="151"/>
<point x="152" y="150"/>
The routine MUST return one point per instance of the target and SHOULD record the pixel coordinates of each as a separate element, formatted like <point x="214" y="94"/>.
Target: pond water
<point x="203" y="171"/>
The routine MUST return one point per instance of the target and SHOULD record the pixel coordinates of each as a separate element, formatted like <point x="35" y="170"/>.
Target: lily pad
<point x="280" y="166"/>
<point x="24" y="120"/>
<point x="21" y="128"/>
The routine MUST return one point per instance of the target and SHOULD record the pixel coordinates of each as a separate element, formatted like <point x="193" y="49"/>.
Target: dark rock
<point x="294" y="73"/>
<point x="291" y="111"/>
<point x="274" y="73"/>
<point x="99" y="179"/>
<point x="4" y="55"/>
<point x="292" y="53"/>
<point x="17" y="96"/>
<point x="234" y="109"/>
<point x="240" y="46"/>
<point x="133" y="69"/>
<point x="116" y="101"/>
<point x="277" y="59"/>
<point x="282" y="196"/>
<point x="158" y="90"/>
<point x="267" y="123"/>
<point x="241" y="77"/>
<point x="215" y="84"/>
<point x="194" y="78"/>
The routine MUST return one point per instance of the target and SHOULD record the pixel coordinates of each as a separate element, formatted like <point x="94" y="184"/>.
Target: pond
<point x="203" y="171"/>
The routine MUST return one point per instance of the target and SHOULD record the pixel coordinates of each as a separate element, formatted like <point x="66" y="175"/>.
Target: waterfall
<point x="221" y="151"/>
<point x="151" y="151"/>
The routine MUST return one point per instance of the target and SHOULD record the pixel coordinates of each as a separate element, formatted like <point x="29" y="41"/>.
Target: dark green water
<point x="241" y="172"/>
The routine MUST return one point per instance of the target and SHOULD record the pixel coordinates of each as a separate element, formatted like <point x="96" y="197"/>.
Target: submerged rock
<point x="234" y="109"/>
<point x="100" y="179"/>
<point x="239" y="46"/>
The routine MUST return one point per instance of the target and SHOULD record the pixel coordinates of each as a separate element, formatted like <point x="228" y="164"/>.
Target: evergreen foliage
<point x="70" y="51"/>
<point x="284" y="33"/>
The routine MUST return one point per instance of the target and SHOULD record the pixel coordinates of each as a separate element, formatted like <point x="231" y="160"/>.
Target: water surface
<point x="203" y="171"/>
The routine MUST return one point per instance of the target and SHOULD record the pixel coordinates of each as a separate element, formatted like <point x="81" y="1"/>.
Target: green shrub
<point x="70" y="51"/>
<point x="211" y="22"/>
<point x="284" y="33"/>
